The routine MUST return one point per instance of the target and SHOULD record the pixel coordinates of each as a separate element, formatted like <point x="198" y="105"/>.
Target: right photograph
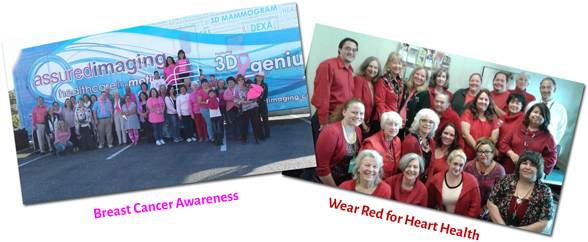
<point x="424" y="126"/>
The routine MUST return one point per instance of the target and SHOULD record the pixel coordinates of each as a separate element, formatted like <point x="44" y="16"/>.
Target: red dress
<point x="333" y="85"/>
<point x="363" y="92"/>
<point x="543" y="142"/>
<point x="478" y="129"/>
<point x="391" y="155"/>
<point x="468" y="203"/>
<point x="417" y="196"/>
<point x="382" y="190"/>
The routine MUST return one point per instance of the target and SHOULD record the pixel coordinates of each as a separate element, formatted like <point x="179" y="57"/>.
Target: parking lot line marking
<point x="33" y="160"/>
<point x="112" y="156"/>
<point x="300" y="118"/>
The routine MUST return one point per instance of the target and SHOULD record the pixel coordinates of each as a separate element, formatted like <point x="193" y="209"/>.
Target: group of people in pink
<point x="474" y="152"/>
<point x="159" y="109"/>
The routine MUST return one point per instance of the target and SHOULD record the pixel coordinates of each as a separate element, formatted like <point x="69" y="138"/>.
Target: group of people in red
<point x="474" y="152"/>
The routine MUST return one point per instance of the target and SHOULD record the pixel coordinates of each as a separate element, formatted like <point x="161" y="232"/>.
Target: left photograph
<point x="191" y="99"/>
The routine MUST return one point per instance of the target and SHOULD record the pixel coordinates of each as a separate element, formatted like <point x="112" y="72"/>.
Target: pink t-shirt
<point x="169" y="71"/>
<point x="158" y="105"/>
<point x="204" y="95"/>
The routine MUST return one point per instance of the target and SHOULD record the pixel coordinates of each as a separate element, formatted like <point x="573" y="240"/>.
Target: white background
<point x="546" y="39"/>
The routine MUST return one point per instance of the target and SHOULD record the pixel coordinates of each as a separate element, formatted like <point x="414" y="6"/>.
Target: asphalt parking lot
<point x="111" y="170"/>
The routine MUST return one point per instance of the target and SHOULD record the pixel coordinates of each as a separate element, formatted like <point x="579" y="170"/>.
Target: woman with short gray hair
<point x="387" y="143"/>
<point x="420" y="140"/>
<point x="406" y="187"/>
<point x="367" y="175"/>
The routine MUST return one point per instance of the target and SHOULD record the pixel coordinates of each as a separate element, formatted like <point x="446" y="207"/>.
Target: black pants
<point x="87" y="141"/>
<point x="233" y="123"/>
<point x="264" y="129"/>
<point x="148" y="131"/>
<point x="73" y="137"/>
<point x="249" y="115"/>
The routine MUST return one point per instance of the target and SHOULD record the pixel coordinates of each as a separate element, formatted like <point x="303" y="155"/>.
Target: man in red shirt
<point x="500" y="94"/>
<point x="446" y="115"/>
<point x="522" y="82"/>
<point x="39" y="113"/>
<point x="333" y="85"/>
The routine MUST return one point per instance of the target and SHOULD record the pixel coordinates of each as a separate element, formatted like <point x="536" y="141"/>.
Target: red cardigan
<point x="382" y="190"/>
<point x="362" y="91"/>
<point x="378" y="142"/>
<point x="543" y="143"/>
<point x="468" y="203"/>
<point x="418" y="194"/>
<point x="411" y="145"/>
<point x="331" y="147"/>
<point x="451" y="116"/>
<point x="386" y="99"/>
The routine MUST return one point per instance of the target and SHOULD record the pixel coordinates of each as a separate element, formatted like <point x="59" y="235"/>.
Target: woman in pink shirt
<point x="184" y="70"/>
<point x="62" y="135"/>
<point x="204" y="109"/>
<point x="168" y="72"/>
<point x="198" y="118"/>
<point x="232" y="110"/>
<point x="156" y="105"/>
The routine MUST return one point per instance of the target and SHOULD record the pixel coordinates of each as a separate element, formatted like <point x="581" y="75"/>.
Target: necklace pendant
<point x="483" y="173"/>
<point x="519" y="200"/>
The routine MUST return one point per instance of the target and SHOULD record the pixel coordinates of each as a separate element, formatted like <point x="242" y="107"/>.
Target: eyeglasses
<point x="348" y="49"/>
<point x="484" y="153"/>
<point x="431" y="122"/>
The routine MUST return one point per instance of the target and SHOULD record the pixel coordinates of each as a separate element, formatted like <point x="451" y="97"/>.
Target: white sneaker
<point x="110" y="146"/>
<point x="161" y="141"/>
<point x="157" y="142"/>
<point x="100" y="147"/>
<point x="188" y="140"/>
<point x="193" y="139"/>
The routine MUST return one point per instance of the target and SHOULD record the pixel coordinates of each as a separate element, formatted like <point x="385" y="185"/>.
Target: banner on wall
<point x="244" y="41"/>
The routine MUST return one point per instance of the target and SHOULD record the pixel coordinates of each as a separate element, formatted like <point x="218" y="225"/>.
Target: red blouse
<point x="543" y="142"/>
<point x="386" y="99"/>
<point x="363" y="92"/>
<point x="333" y="85"/>
<point x="382" y="190"/>
<point x="417" y="196"/>
<point x="331" y="147"/>
<point x="478" y="129"/>
<point x="378" y="142"/>
<point x="509" y="123"/>
<point x="468" y="202"/>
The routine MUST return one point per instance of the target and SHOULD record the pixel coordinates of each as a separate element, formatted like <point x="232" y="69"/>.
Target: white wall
<point x="325" y="44"/>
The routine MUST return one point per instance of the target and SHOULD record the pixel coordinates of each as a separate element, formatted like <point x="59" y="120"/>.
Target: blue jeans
<point x="206" y="115"/>
<point x="157" y="131"/>
<point x="59" y="147"/>
<point x="174" y="122"/>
